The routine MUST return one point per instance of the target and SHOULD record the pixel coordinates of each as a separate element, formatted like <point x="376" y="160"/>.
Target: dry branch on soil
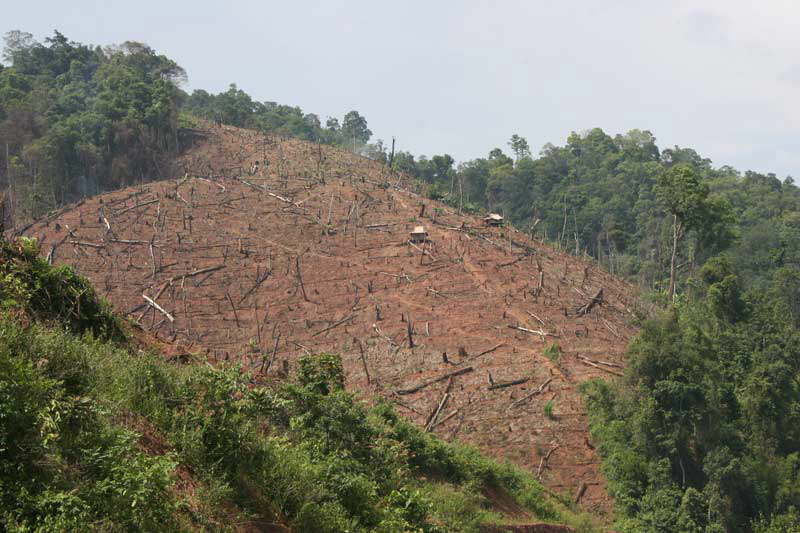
<point x="597" y="299"/>
<point x="424" y="384"/>
<point x="504" y="384"/>
<point x="531" y="395"/>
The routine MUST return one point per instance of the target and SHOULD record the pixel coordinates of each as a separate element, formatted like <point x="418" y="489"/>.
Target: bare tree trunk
<point x="461" y="194"/>
<point x="674" y="254"/>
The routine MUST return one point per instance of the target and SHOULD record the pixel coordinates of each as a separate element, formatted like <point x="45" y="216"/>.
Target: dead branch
<point x="90" y="244"/>
<point x="382" y="334"/>
<point x="274" y="351"/>
<point x="536" y="317"/>
<point x="611" y="328"/>
<point x="597" y="299"/>
<point x="437" y="293"/>
<point x="443" y="377"/>
<point x="539" y="332"/>
<point x="259" y="280"/>
<point x="595" y="365"/>
<point x="504" y="384"/>
<point x="126" y="241"/>
<point x="442" y="402"/>
<point x="363" y="359"/>
<point x="544" y="460"/>
<point x="490" y="350"/>
<point x="235" y="314"/>
<point x="401" y="404"/>
<point x="339" y="323"/>
<point x="531" y="395"/>
<point x="158" y="308"/>
<point x="443" y="420"/>
<point x="579" y="494"/>
<point x="118" y="213"/>
<point x="515" y="261"/>
<point x="300" y="278"/>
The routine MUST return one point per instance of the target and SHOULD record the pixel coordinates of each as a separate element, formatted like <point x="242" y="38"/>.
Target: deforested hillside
<point x="100" y="430"/>
<point x="264" y="250"/>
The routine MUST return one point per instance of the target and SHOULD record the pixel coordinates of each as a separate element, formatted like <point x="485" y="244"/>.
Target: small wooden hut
<point x="493" y="219"/>
<point x="419" y="235"/>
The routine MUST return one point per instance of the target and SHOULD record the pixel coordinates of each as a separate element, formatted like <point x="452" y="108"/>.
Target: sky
<point x="460" y="77"/>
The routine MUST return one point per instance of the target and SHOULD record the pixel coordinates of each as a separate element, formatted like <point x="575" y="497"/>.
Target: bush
<point x="553" y="352"/>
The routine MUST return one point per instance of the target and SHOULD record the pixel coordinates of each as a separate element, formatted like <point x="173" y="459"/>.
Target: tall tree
<point x="519" y="145"/>
<point x="680" y="192"/>
<point x="354" y="128"/>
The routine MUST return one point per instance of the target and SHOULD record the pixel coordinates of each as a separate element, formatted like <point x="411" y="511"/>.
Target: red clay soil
<point x="314" y="255"/>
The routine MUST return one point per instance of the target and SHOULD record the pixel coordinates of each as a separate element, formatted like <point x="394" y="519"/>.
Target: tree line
<point x="77" y="120"/>
<point x="649" y="215"/>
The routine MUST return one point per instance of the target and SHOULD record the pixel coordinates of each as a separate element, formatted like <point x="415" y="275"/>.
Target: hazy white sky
<point x="721" y="76"/>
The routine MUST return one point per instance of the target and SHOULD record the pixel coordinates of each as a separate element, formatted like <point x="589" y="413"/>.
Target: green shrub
<point x="548" y="409"/>
<point x="52" y="294"/>
<point x="553" y="352"/>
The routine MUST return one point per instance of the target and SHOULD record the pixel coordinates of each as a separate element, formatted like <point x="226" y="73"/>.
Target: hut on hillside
<point x="418" y="235"/>
<point x="493" y="219"/>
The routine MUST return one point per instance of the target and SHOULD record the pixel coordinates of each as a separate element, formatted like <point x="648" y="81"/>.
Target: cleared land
<point x="312" y="254"/>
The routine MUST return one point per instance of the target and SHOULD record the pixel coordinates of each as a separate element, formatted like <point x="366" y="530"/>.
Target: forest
<point x="77" y="120"/>
<point x="702" y="433"/>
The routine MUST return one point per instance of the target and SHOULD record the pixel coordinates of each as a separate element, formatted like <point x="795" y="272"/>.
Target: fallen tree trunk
<point x="539" y="332"/>
<point x="339" y="323"/>
<point x="531" y="395"/>
<point x="424" y="384"/>
<point x="504" y="384"/>
<point x="589" y="362"/>
<point x="597" y="299"/>
<point x="158" y="308"/>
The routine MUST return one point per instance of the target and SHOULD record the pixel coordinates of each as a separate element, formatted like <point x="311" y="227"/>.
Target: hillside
<point x="99" y="431"/>
<point x="313" y="256"/>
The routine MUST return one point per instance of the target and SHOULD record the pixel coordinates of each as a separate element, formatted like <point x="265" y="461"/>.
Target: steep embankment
<point x="102" y="432"/>
<point x="314" y="256"/>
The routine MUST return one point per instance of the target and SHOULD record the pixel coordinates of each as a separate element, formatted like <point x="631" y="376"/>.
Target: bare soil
<point x="313" y="255"/>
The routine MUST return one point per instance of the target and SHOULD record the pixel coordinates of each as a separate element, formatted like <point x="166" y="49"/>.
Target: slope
<point x="312" y="254"/>
<point x="99" y="431"/>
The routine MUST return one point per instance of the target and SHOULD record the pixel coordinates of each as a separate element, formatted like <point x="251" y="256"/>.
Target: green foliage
<point x="553" y="352"/>
<point x="63" y="464"/>
<point x="322" y="373"/>
<point x="548" y="409"/>
<point x="326" y="463"/>
<point x="236" y="108"/>
<point x="702" y="434"/>
<point x="79" y="119"/>
<point x="29" y="284"/>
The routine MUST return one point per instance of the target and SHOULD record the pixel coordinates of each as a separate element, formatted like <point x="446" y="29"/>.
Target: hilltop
<point x="311" y="254"/>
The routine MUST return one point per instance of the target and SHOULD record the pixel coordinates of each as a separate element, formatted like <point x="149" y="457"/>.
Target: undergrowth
<point x="96" y="435"/>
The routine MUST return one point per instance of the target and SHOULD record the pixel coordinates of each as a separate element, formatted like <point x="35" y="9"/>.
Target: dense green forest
<point x="76" y="120"/>
<point x="236" y="108"/>
<point x="703" y="433"/>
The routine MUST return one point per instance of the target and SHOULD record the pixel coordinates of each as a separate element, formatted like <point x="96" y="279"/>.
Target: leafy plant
<point x="553" y="352"/>
<point x="548" y="409"/>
